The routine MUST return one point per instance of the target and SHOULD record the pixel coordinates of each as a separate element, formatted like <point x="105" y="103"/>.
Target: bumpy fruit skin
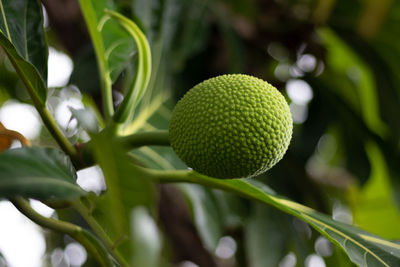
<point x="231" y="126"/>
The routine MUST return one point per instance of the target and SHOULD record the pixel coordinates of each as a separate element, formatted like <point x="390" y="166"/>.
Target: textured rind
<point x="231" y="126"/>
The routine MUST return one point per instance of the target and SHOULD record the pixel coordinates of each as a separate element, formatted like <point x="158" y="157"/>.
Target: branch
<point x="84" y="237"/>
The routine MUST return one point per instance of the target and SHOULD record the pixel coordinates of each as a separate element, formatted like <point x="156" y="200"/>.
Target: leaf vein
<point x="113" y="47"/>
<point x="365" y="258"/>
<point x="5" y="20"/>
<point x="346" y="237"/>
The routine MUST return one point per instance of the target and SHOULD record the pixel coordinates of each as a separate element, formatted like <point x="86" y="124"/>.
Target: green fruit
<point x="231" y="126"/>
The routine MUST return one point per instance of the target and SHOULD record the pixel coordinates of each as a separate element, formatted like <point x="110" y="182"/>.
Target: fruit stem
<point x="90" y="242"/>
<point x="129" y="142"/>
<point x="151" y="138"/>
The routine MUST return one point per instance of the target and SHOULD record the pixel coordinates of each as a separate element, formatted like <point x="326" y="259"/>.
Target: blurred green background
<point x="338" y="64"/>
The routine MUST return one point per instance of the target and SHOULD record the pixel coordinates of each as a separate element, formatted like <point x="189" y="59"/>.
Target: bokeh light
<point x="18" y="234"/>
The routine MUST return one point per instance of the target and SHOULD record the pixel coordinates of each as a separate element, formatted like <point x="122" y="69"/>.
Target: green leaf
<point x="193" y="31"/>
<point x="119" y="46"/>
<point x="159" y="20"/>
<point x="27" y="72"/>
<point x="265" y="230"/>
<point x="232" y="209"/>
<point x="113" y="46"/>
<point x="375" y="199"/>
<point x="21" y="22"/>
<point x="206" y="214"/>
<point x="360" y="89"/>
<point x="35" y="172"/>
<point x="139" y="86"/>
<point x="362" y="247"/>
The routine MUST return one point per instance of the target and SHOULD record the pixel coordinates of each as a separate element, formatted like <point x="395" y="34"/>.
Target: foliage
<point x="342" y="162"/>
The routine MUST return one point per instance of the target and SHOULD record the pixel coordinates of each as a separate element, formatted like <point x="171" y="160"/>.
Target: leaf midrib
<point x="346" y="237"/>
<point x="316" y="221"/>
<point x="326" y="226"/>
